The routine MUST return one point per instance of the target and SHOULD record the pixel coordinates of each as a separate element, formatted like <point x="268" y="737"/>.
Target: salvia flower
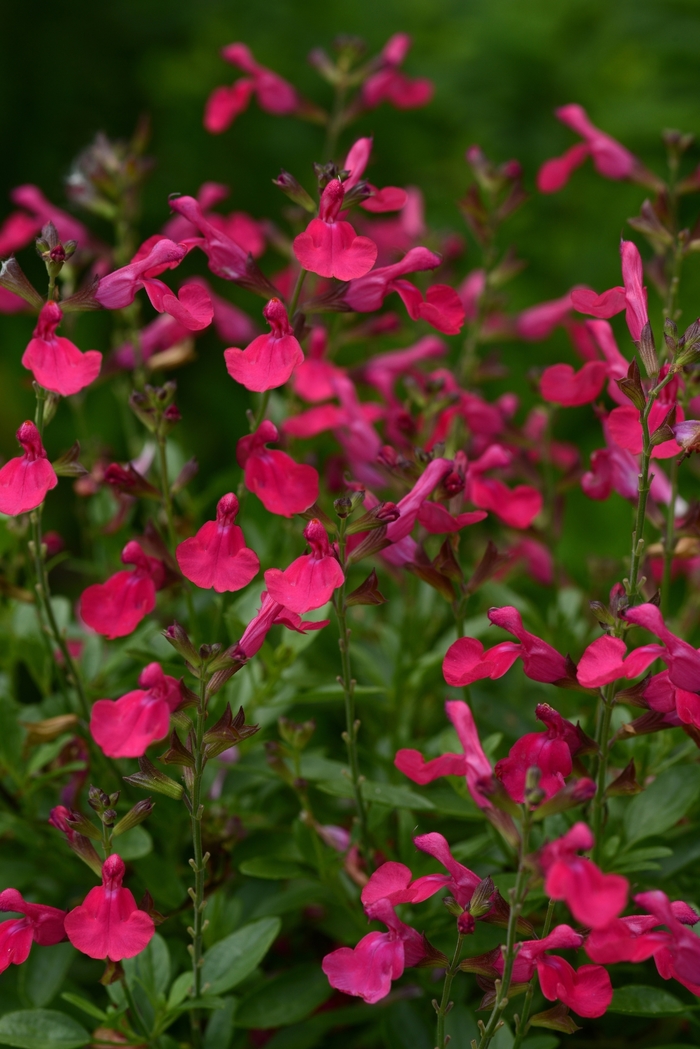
<point x="270" y="613"/>
<point x="329" y="246"/>
<point x="270" y="359"/>
<point x="25" y="480"/>
<point x="632" y="297"/>
<point x="217" y="555"/>
<point x="517" y="507"/>
<point x="283" y="486"/>
<point x="593" y="898"/>
<point x="108" y="924"/>
<point x="56" y="363"/>
<point x="606" y="660"/>
<point x="126" y="727"/>
<point x="115" y="608"/>
<point x="610" y="159"/>
<point x="309" y="581"/>
<point x="39" y="924"/>
<point x="117" y="289"/>
<point x="560" y="384"/>
<point x="274" y="94"/>
<point x="682" y="660"/>
<point x="388" y="84"/>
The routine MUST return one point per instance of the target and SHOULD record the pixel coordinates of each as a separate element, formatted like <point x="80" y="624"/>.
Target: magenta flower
<point x="117" y="289"/>
<point x="217" y="555"/>
<point x="368" y="969"/>
<point x="282" y="486"/>
<point x="391" y="198"/>
<point x="366" y="294"/>
<point x="271" y="613"/>
<point x="593" y="898"/>
<point x="682" y="660"/>
<point x="314" y="378"/>
<point x="57" y="364"/>
<point x="461" y="881"/>
<point x="550" y="751"/>
<point x="126" y="727"/>
<point x="607" y="304"/>
<point x="466" y="661"/>
<point x="605" y="661"/>
<point x="309" y="581"/>
<point x="274" y="94"/>
<point x="116" y="607"/>
<point x="626" y="429"/>
<point x="25" y="480"/>
<point x="538" y="322"/>
<point x="610" y="159"/>
<point x="518" y="506"/>
<point x="108" y="923"/>
<point x="678" y="705"/>
<point x="41" y="924"/>
<point x="269" y="360"/>
<point x="330" y="246"/>
<point x="394" y="882"/>
<point x="560" y="384"/>
<point x="21" y="227"/>
<point x="390" y="85"/>
<point x="632" y="297"/>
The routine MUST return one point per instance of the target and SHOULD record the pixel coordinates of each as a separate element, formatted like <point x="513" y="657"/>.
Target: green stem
<point x="517" y="896"/>
<point x="198" y="863"/>
<point x="336" y="121"/>
<point x="347" y="682"/>
<point x="445" y="1003"/>
<point x="260" y="414"/>
<point x="669" y="539"/>
<point x="294" y="301"/>
<point x="523" y="1020"/>
<point x="607" y="697"/>
<point x="165" y="488"/>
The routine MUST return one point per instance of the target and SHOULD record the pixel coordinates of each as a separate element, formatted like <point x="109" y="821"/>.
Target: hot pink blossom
<point x="593" y="898"/>
<point x="538" y="322"/>
<point x="610" y="159"/>
<point x="313" y="380"/>
<point x="394" y="882"/>
<point x="282" y="486"/>
<point x="586" y="990"/>
<point x="309" y="581"/>
<point x="682" y="660"/>
<point x="383" y="370"/>
<point x="605" y="305"/>
<point x="391" y="198"/>
<point x="25" y="480"/>
<point x="108" y="923"/>
<point x="678" y="705"/>
<point x="604" y="661"/>
<point x="461" y="881"/>
<point x="470" y="292"/>
<point x="57" y="364"/>
<point x="116" y="607"/>
<point x="41" y="924"/>
<point x="389" y="85"/>
<point x="437" y="520"/>
<point x="21" y="227"/>
<point x="635" y="292"/>
<point x="562" y="385"/>
<point x="626" y="429"/>
<point x="126" y="727"/>
<point x="368" y="969"/>
<point x="517" y="506"/>
<point x="217" y="555"/>
<point x="274" y="94"/>
<point x="550" y="751"/>
<point x="368" y="293"/>
<point x="466" y="661"/>
<point x="615" y="469"/>
<point x="271" y="613"/>
<point x="329" y="246"/>
<point x="117" y="289"/>
<point x="269" y="360"/>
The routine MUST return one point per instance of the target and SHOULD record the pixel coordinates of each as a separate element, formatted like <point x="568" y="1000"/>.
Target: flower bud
<point x="647" y="350"/>
<point x="12" y="278"/>
<point x="688" y="350"/>
<point x="482" y="898"/>
<point x="631" y="386"/>
<point x="296" y="734"/>
<point x="150" y="778"/>
<point x="178" y="637"/>
<point x="454" y="908"/>
<point x="295" y="191"/>
<point x="141" y="811"/>
<point x="367" y="593"/>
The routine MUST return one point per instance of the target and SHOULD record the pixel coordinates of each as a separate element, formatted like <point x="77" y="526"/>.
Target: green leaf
<point x="134" y="844"/>
<point x="270" y="868"/>
<point x="640" y="859"/>
<point x="663" y="803"/>
<point x="232" y="959"/>
<point x="381" y="793"/>
<point x="41" y="1029"/>
<point x="331" y="693"/>
<point x="285" y="999"/>
<point x="85" y="1006"/>
<point x="220" y="1027"/>
<point x="150" y="969"/>
<point x="45" y="971"/>
<point x="11" y="735"/>
<point x="180" y="989"/>
<point x="541" y="1041"/>
<point x="635" y="1000"/>
<point x="309" y="1033"/>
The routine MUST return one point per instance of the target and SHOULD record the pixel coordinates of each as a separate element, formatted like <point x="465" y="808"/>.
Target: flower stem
<point x="669" y="539"/>
<point x="523" y="1020"/>
<point x="294" y="301"/>
<point x="450" y="973"/>
<point x="598" y="807"/>
<point x="198" y="863"/>
<point x="517" y="896"/>
<point x="347" y="682"/>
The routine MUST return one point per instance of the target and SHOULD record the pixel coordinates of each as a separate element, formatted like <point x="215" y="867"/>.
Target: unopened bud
<point x="295" y="191"/>
<point x="454" y="908"/>
<point x="482" y="898"/>
<point x="647" y="350"/>
<point x="178" y="637"/>
<point x="141" y="811"/>
<point x="150" y="778"/>
<point x="296" y="734"/>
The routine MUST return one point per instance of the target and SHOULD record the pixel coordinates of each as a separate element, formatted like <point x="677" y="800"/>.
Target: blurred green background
<point x="500" y="68"/>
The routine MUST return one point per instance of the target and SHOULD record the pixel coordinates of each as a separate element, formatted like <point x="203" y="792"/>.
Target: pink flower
<point x="461" y="881"/>
<point x="25" y="480"/>
<point x="518" y="506"/>
<point x="679" y="705"/>
<point x="466" y="661"/>
<point x="314" y="378"/>
<point x="550" y="751"/>
<point x="610" y="159"/>
<point x="389" y="85"/>
<point x="282" y="486"/>
<point x="391" y="198"/>
<point x="607" y="304"/>
<point x="309" y="581"/>
<point x="682" y="660"/>
<point x="41" y="924"/>
<point x="57" y="364"/>
<point x="587" y="990"/>
<point x="274" y="94"/>
<point x="20" y="228"/>
<point x="217" y="555"/>
<point x="626" y="429"/>
<point x="271" y="613"/>
<point x="226" y="258"/>
<point x="80" y="845"/>
<point x="562" y="385"/>
<point x="116" y="607"/>
<point x="538" y="322"/>
<point x="604" y="661"/>
<point x="394" y="882"/>
<point x="383" y="370"/>
<point x="368" y="293"/>
<point x="635" y="292"/>
<point x="593" y="898"/>
<point x="108" y="923"/>
<point x="192" y="306"/>
<point x="126" y="727"/>
<point x="368" y="969"/>
<point x="269" y="360"/>
<point x="329" y="246"/>
<point x="117" y="289"/>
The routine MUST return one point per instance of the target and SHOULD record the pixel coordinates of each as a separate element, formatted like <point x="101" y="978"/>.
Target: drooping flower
<point x="388" y="84"/>
<point x="21" y="227"/>
<point x="368" y="969"/>
<point x="116" y="607"/>
<point x="117" y="289"/>
<point x="40" y="924"/>
<point x="108" y="924"/>
<point x="550" y="751"/>
<point x="217" y="555"/>
<point x="79" y="843"/>
<point x="682" y="660"/>
<point x="282" y="486"/>
<point x="329" y="246"/>
<point x="269" y="614"/>
<point x="25" y="480"/>
<point x="274" y="94"/>
<point x="593" y="898"/>
<point x="610" y="158"/>
<point x="309" y="581"/>
<point x="270" y="359"/>
<point x="126" y="727"/>
<point x="56" y="362"/>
